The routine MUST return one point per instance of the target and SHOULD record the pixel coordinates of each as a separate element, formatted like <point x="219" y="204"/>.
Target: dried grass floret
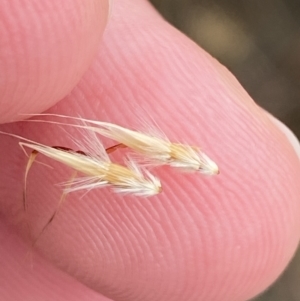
<point x="157" y="150"/>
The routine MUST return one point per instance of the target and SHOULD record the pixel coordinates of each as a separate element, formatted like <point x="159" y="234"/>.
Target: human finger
<point x="45" y="49"/>
<point x="223" y="238"/>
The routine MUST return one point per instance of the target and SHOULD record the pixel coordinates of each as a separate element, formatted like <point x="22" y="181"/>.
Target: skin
<point x="226" y="237"/>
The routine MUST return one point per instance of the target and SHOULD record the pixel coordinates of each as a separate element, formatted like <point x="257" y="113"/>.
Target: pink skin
<point x="45" y="49"/>
<point x="220" y="238"/>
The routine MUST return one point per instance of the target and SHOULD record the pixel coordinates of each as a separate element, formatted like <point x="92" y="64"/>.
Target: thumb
<point x="45" y="47"/>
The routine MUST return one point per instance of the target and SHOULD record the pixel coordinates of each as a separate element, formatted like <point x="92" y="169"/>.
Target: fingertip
<point x="241" y="224"/>
<point x="46" y="48"/>
<point x="227" y="237"/>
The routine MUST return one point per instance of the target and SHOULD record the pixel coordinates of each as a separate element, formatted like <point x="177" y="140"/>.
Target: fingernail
<point x="288" y="133"/>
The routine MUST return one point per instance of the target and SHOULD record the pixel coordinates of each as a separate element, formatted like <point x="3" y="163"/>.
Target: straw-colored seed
<point x="158" y="150"/>
<point x="100" y="173"/>
<point x="96" y="167"/>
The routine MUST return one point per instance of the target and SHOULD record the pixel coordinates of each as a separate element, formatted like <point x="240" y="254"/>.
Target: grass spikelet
<point x="97" y="169"/>
<point x="158" y="150"/>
